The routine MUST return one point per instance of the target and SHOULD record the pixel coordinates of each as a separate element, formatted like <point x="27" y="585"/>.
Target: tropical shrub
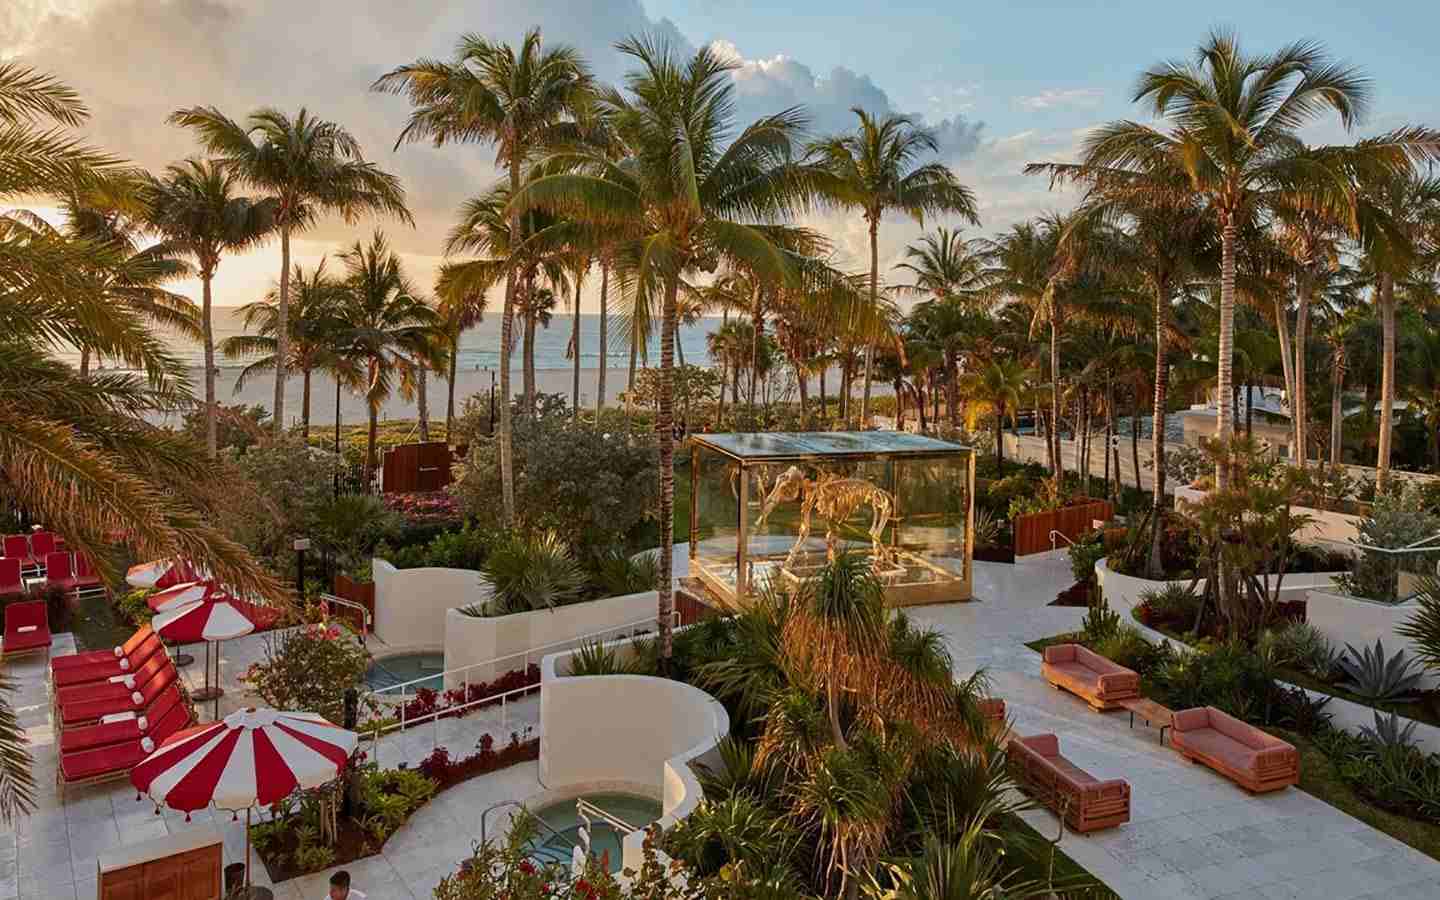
<point x="309" y="669"/>
<point x="989" y="528"/>
<point x="238" y="427"/>
<point x="527" y="573"/>
<point x="1298" y="645"/>
<point x="462" y="548"/>
<point x="693" y="386"/>
<point x="1374" y="676"/>
<point x="1397" y="520"/>
<point x="1127" y="647"/>
<point x="281" y="488"/>
<point x="131" y="607"/>
<point x="1100" y="622"/>
<point x="351" y="526"/>
<point x="590" y="486"/>
<point x="615" y="573"/>
<point x="1084" y="554"/>
<point x="1423" y="628"/>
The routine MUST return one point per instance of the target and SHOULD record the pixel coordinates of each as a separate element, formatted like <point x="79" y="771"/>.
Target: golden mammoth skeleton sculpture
<point x="836" y="498"/>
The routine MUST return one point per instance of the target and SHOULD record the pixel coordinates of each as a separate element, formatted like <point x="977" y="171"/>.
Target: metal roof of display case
<point x="781" y="445"/>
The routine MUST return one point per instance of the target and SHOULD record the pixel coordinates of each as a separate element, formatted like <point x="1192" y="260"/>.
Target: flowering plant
<point x="309" y="669"/>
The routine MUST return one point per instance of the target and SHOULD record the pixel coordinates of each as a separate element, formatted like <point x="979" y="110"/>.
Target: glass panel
<point x="823" y="443"/>
<point x="933" y="496"/>
<point x="717" y="513"/>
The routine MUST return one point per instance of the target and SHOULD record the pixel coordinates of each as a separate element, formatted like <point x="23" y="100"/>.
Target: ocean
<point x="480" y="346"/>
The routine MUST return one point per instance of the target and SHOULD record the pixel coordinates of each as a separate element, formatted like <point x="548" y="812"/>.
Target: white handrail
<point x="584" y="807"/>
<point x="366" y="619"/>
<point x="1054" y="534"/>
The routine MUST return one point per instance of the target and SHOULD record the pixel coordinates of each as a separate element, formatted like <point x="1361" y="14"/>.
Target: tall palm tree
<point x="461" y="310"/>
<point x="386" y="327"/>
<point x="520" y="100"/>
<point x="309" y="167"/>
<point x="314" y="324"/>
<point x="686" y="201"/>
<point x="1000" y="385"/>
<point x="945" y="264"/>
<point x="1235" y="120"/>
<point x="877" y="169"/>
<point x="196" y="206"/>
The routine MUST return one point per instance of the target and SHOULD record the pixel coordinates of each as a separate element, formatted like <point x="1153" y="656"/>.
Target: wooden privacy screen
<point x="177" y="867"/>
<point x="1032" y="532"/>
<point x="417" y="467"/>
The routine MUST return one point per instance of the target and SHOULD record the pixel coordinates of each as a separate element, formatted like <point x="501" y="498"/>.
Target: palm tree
<point x="386" y="327"/>
<point x="1235" y="122"/>
<point x="309" y="167"/>
<point x="196" y="206"/>
<point x="684" y="200"/>
<point x="314" y="323"/>
<point x="520" y="101"/>
<point x="877" y="169"/>
<point x="1000" y="385"/>
<point x="461" y="310"/>
<point x="945" y="264"/>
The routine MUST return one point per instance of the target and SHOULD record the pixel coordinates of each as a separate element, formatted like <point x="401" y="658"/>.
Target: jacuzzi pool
<point x="637" y="812"/>
<point x="392" y="670"/>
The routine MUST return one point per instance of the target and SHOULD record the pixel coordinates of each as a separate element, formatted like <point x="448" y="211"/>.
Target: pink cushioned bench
<point x="1088" y="675"/>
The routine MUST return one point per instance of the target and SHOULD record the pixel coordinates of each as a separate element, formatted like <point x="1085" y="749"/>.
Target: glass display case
<point x="778" y="505"/>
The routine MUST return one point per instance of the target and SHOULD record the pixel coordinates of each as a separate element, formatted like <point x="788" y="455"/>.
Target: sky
<point x="1001" y="84"/>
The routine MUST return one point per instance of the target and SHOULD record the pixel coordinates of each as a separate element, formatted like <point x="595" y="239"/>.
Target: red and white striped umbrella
<point x="162" y="573"/>
<point x="253" y="757"/>
<point x="182" y="594"/>
<point x="218" y="617"/>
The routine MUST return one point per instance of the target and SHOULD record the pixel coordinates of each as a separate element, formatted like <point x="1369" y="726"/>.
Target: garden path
<point x="1192" y="834"/>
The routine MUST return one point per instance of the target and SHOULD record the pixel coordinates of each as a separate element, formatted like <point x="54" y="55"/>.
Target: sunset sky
<point x="1002" y="84"/>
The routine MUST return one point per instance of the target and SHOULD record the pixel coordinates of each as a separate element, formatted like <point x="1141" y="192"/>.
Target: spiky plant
<point x="1423" y="628"/>
<point x="1388" y="732"/>
<point x="531" y="572"/>
<point x="1375" y="676"/>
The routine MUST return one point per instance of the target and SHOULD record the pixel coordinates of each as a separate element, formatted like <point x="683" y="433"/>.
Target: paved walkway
<point x="1192" y="833"/>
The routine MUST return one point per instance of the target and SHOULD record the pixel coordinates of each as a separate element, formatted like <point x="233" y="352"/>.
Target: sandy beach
<point x="260" y="390"/>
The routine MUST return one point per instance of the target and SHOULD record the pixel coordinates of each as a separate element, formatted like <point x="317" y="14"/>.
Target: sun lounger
<point x="27" y="629"/>
<point x="42" y="544"/>
<point x="71" y="676"/>
<point x="114" y="761"/>
<point x="87" y="711"/>
<point x="132" y="643"/>
<point x="59" y="571"/>
<point x="118" y="686"/>
<point x="10" y="580"/>
<point x="118" y="728"/>
<point x="17" y="547"/>
<point x="87" y="580"/>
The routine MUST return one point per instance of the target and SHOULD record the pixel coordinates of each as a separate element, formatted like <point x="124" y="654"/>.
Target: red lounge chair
<point x="123" y="727"/>
<point x="71" y="676"/>
<point x="17" y="546"/>
<point x="113" y="762"/>
<point x="128" y="648"/>
<point x="27" y="629"/>
<point x="88" y="711"/>
<point x="58" y="572"/>
<point x="42" y="544"/>
<point x="10" y="580"/>
<point x="87" y="581"/>
<point x="117" y="686"/>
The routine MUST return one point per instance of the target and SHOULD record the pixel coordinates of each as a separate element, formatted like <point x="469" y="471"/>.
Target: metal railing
<point x="587" y="811"/>
<point x="1060" y="534"/>
<point x="1390" y="574"/>
<point x="366" y="620"/>
<point x="409" y="690"/>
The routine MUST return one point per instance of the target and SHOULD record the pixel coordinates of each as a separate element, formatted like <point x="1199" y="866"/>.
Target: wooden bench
<point x="1085" y="802"/>
<point x="1150" y="711"/>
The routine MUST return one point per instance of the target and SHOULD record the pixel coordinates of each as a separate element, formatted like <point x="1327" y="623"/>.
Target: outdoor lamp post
<point x="301" y="545"/>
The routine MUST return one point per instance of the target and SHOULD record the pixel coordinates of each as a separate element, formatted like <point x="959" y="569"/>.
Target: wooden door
<point x="124" y="884"/>
<point x="163" y="879"/>
<point x="200" y="875"/>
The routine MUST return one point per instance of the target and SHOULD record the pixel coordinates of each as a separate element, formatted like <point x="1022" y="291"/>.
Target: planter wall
<point x="1325" y="525"/>
<point x="1345" y="619"/>
<point x="469" y="640"/>
<point x="410" y="604"/>
<point x="632" y="730"/>
<point x="1123" y="592"/>
<point x="1032" y="531"/>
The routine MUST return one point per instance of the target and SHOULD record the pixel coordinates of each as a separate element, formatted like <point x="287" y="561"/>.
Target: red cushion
<point x="87" y="737"/>
<point x="104" y="668"/>
<point x="115" y="758"/>
<point x="91" y="710"/>
<point x="98" y="690"/>
<point x="132" y="643"/>
<point x="30" y="640"/>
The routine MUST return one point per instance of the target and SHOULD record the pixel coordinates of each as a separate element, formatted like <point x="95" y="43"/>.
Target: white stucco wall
<point x="1123" y="592"/>
<point x="469" y="640"/>
<point x="1324" y="526"/>
<point x="1344" y="619"/>
<point x="637" y="730"/>
<point x="410" y="604"/>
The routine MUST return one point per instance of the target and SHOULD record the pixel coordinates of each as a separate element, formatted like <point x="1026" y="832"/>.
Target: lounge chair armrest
<point x="1116" y="682"/>
<point x="1274" y="758"/>
<point x="1112" y="787"/>
<point x="1059" y="653"/>
<point x="1192" y="719"/>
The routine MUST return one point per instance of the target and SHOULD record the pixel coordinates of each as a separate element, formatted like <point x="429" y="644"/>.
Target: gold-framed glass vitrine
<point x="778" y="505"/>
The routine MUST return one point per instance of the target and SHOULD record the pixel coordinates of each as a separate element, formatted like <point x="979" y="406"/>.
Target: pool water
<point x="392" y="670"/>
<point x="548" y="847"/>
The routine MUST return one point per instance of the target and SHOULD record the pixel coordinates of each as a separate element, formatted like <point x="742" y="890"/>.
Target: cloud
<point x="1071" y="98"/>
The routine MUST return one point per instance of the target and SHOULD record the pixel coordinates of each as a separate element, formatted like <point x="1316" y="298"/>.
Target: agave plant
<point x="531" y="572"/>
<point x="1388" y="733"/>
<point x="1423" y="628"/>
<point x="1375" y="676"/>
<point x="988" y="527"/>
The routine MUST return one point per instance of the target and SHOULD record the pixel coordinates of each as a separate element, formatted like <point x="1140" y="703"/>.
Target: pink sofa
<point x="1087" y="674"/>
<point x="1087" y="803"/>
<point x="1255" y="760"/>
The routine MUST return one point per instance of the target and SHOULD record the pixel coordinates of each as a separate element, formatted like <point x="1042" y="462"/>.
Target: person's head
<point x="340" y="885"/>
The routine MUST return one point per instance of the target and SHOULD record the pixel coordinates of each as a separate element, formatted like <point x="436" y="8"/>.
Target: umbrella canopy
<point x="162" y="573"/>
<point x="219" y="617"/>
<point x="253" y="757"/>
<point x="182" y="594"/>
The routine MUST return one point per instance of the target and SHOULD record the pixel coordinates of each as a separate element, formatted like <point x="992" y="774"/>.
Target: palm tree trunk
<point x="337" y="416"/>
<point x="665" y="425"/>
<point x="720" y="410"/>
<point x="824" y="401"/>
<point x="305" y="405"/>
<point x="1387" y="380"/>
<point x="757" y="323"/>
<point x="1337" y="415"/>
<point x="1157" y="427"/>
<point x="1109" y="437"/>
<point x="1299" y="408"/>
<point x="575" y="342"/>
<point x="804" y="385"/>
<point x="952" y="387"/>
<point x="450" y="389"/>
<point x="423" y="400"/>
<point x="604" y="338"/>
<point x="527" y="363"/>
<point x="371" y="438"/>
<point x="1250" y="416"/>
<point x="1287" y="356"/>
<point x="874" y="311"/>
<point x="1135" y="449"/>
<point x="84" y="362"/>
<point x="282" y="330"/>
<point x="1224" y="415"/>
<point x="207" y="335"/>
<point x="1055" y="462"/>
<point x="1000" y="439"/>
<point x="630" y="379"/>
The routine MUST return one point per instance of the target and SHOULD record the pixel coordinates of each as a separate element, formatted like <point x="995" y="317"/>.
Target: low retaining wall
<point x="470" y="640"/>
<point x="1345" y="619"/>
<point x="410" y="604"/>
<point x="1123" y="592"/>
<point x="1341" y="528"/>
<point x="634" y="730"/>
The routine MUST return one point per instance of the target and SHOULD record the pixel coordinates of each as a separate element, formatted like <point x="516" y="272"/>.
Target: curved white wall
<point x="1350" y="620"/>
<point x="410" y="604"/>
<point x="1122" y="592"/>
<point x="469" y="640"/>
<point x="599" y="730"/>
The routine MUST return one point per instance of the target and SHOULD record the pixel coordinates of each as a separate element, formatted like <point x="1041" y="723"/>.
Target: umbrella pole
<point x="211" y="691"/>
<point x="247" y="847"/>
